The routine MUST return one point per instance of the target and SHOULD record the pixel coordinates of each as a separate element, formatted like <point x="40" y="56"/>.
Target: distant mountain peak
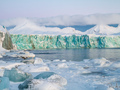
<point x="101" y="29"/>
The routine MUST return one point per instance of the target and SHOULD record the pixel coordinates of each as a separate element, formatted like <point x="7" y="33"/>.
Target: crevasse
<point x="51" y="42"/>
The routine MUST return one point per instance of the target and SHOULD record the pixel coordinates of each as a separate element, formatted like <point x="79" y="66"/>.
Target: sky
<point x="51" y="8"/>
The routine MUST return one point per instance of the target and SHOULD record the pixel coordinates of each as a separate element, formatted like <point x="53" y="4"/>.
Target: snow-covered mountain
<point x="32" y="28"/>
<point x="29" y="27"/>
<point x="37" y="25"/>
<point x="103" y="30"/>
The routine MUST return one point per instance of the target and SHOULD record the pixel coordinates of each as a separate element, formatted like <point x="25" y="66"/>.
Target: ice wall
<point x="51" y="42"/>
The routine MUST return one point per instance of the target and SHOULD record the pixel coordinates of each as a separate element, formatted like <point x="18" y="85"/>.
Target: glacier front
<point x="31" y="42"/>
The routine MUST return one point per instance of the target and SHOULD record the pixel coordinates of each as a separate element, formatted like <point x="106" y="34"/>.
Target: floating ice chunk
<point x="40" y="77"/>
<point x="62" y="65"/>
<point x="1" y="72"/>
<point x="1" y="56"/>
<point x="44" y="85"/>
<point x="28" y="61"/>
<point x="52" y="77"/>
<point x="21" y="54"/>
<point x="44" y="81"/>
<point x="56" y="60"/>
<point x="25" y="84"/>
<point x="8" y="65"/>
<point x="4" y="83"/>
<point x="2" y="62"/>
<point x="44" y="75"/>
<point x="37" y="84"/>
<point x="116" y="64"/>
<point x="102" y="62"/>
<point x="63" y="60"/>
<point x="58" y="80"/>
<point x="16" y="75"/>
<point x="38" y="61"/>
<point x="25" y="55"/>
<point x="98" y="62"/>
<point x="12" y="65"/>
<point x="33" y="68"/>
<point x="103" y="87"/>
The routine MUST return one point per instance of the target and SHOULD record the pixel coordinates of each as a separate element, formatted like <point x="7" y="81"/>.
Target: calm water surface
<point x="78" y="54"/>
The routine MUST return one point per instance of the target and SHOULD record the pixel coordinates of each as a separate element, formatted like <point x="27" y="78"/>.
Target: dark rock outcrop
<point x="5" y="39"/>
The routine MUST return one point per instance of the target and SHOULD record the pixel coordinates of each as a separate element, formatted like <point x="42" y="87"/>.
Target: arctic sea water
<point x="112" y="54"/>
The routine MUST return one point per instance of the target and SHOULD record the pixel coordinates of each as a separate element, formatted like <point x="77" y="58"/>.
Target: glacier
<point x="31" y="42"/>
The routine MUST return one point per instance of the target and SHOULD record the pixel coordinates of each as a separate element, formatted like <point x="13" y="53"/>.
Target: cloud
<point x="67" y="20"/>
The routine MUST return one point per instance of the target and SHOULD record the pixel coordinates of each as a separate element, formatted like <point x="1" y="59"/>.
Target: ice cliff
<point x="59" y="41"/>
<point x="5" y="39"/>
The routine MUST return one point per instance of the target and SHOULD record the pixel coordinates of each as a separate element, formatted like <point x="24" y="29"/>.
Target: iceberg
<point x="16" y="75"/>
<point x="44" y="75"/>
<point x="43" y="80"/>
